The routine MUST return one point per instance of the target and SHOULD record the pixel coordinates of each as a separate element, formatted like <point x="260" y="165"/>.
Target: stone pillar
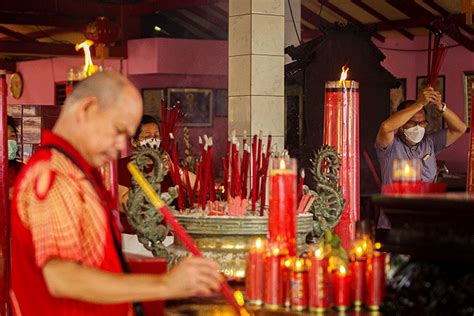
<point x="292" y="35"/>
<point x="256" y="68"/>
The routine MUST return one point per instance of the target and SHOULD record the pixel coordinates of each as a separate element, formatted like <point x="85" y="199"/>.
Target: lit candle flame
<point x="342" y="270"/>
<point x="359" y="251"/>
<point x="89" y="67"/>
<point x="288" y="263"/>
<point x="275" y="251"/>
<point x="378" y="245"/>
<point x="407" y="169"/>
<point x="319" y="253"/>
<point x="258" y="243"/>
<point x="343" y="74"/>
<point x="239" y="297"/>
<point x="282" y="164"/>
<point x="299" y="263"/>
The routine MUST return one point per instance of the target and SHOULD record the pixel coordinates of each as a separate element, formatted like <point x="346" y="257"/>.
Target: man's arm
<point x="456" y="127"/>
<point x="192" y="277"/>
<point x="398" y="119"/>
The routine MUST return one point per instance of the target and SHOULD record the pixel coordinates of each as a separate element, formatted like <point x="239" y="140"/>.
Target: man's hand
<point x="194" y="276"/>
<point x="427" y="96"/>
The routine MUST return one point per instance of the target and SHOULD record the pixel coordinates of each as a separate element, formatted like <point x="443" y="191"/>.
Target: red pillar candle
<point x="282" y="208"/>
<point x="342" y="289"/>
<point x="254" y="276"/>
<point x="299" y="285"/>
<point x="318" y="282"/>
<point x="287" y="268"/>
<point x="273" y="291"/>
<point x="375" y="280"/>
<point x="358" y="267"/>
<point x="341" y="130"/>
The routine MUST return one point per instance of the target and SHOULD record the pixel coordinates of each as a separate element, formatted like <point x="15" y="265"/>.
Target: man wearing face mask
<point x="402" y="135"/>
<point x="14" y="165"/>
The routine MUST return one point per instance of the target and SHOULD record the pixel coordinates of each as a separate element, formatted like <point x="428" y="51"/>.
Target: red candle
<point x="282" y="209"/>
<point x="287" y="268"/>
<point x="299" y="285"/>
<point x="342" y="289"/>
<point x="375" y="280"/>
<point x="273" y="292"/>
<point x="358" y="267"/>
<point x="254" y="275"/>
<point x="341" y="130"/>
<point x="318" y="282"/>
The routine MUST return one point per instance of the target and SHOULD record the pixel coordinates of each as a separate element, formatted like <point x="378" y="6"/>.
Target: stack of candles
<point x="276" y="280"/>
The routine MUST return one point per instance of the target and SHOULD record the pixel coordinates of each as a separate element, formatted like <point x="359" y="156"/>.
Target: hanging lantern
<point x="468" y="8"/>
<point x="103" y="33"/>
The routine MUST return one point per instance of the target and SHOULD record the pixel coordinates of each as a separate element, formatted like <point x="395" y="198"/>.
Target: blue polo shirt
<point x="426" y="151"/>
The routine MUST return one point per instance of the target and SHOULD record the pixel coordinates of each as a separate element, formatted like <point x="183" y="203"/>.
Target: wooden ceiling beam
<point x="219" y="10"/>
<point x="381" y="17"/>
<point x="49" y="49"/>
<point x="15" y="35"/>
<point x="211" y="18"/>
<point x="58" y="20"/>
<point x="447" y="14"/>
<point x="314" y="19"/>
<point x="201" y="29"/>
<point x="414" y="10"/>
<point x="348" y="17"/>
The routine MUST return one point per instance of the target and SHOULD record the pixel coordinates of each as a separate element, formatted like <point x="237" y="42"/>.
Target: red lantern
<point x="102" y="32"/>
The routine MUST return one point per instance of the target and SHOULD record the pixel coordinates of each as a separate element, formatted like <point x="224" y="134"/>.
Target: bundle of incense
<point x="181" y="233"/>
<point x="175" y="173"/>
<point x="435" y="59"/>
<point x="303" y="202"/>
<point x="171" y="119"/>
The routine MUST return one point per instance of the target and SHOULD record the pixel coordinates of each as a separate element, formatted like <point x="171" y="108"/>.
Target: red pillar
<point x="341" y="130"/>
<point x="4" y="212"/>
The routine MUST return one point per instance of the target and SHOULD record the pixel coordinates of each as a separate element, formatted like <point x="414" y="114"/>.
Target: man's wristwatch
<point x="443" y="108"/>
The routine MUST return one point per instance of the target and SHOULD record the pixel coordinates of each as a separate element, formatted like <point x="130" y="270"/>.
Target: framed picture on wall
<point x="152" y="101"/>
<point x="468" y="80"/>
<point x="195" y="103"/>
<point x="221" y="103"/>
<point x="434" y="118"/>
<point x="398" y="95"/>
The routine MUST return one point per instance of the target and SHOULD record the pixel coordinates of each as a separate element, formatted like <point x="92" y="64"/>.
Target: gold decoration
<point x="16" y="85"/>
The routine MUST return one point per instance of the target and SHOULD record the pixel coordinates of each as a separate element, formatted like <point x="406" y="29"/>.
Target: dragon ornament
<point x="141" y="214"/>
<point x="329" y="204"/>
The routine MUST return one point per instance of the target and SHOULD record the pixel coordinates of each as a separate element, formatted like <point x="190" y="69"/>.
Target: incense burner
<point x="227" y="239"/>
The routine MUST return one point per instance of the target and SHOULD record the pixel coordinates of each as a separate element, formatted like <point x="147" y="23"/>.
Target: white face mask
<point x="414" y="134"/>
<point x="151" y="142"/>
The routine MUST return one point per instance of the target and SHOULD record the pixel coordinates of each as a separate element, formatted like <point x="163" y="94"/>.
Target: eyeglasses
<point x="412" y="123"/>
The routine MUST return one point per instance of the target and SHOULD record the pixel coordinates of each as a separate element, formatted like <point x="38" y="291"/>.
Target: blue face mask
<point x="12" y="149"/>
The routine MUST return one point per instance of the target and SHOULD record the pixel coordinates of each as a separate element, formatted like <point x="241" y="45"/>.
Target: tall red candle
<point x="318" y="282"/>
<point x="282" y="209"/>
<point x="375" y="280"/>
<point x="341" y="130"/>
<point x="255" y="274"/>
<point x="342" y="289"/>
<point x="299" y="285"/>
<point x="273" y="291"/>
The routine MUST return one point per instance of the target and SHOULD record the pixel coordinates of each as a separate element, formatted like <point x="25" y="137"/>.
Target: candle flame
<point x="239" y="298"/>
<point x="258" y="243"/>
<point x="275" y="251"/>
<point x="299" y="263"/>
<point x="344" y="71"/>
<point x="89" y="67"/>
<point x="378" y="245"/>
<point x="282" y="164"/>
<point x="359" y="251"/>
<point x="288" y="263"/>
<point x="342" y="270"/>
<point x="319" y="253"/>
<point x="407" y="169"/>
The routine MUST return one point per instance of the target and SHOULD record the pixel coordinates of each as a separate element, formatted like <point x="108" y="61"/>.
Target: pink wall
<point x="410" y="64"/>
<point x="39" y="77"/>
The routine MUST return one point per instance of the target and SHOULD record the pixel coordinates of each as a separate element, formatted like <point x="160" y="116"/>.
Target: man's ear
<point x="86" y="108"/>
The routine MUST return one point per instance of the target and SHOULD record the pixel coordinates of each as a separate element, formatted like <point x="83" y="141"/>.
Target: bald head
<point x="99" y="115"/>
<point x="107" y="87"/>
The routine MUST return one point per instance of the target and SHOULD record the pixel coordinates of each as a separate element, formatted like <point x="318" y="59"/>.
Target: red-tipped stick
<point x="181" y="233"/>
<point x="245" y="170"/>
<point x="269" y="145"/>
<point x="254" y="173"/>
<point x="228" y="169"/>
<point x="264" y="184"/>
<point x="189" y="188"/>
<point x="300" y="185"/>
<point x="212" y="189"/>
<point x="259" y="162"/>
<point x="226" y="176"/>
<point x="198" y="183"/>
<point x="236" y="176"/>
<point x="369" y="163"/>
<point x="174" y="157"/>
